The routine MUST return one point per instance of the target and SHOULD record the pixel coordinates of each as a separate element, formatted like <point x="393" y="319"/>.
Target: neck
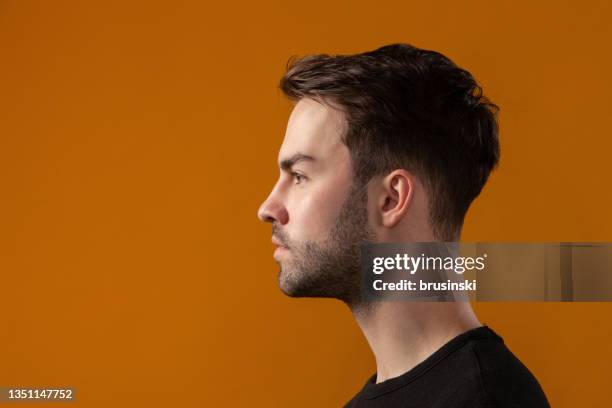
<point x="403" y="334"/>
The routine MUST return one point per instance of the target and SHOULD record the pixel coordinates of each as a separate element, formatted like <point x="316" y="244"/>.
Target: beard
<point x="330" y="269"/>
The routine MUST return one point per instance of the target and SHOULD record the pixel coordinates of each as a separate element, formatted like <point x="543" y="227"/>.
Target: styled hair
<point x="413" y="109"/>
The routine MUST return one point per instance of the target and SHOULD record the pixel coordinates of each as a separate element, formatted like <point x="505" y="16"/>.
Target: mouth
<point x="280" y="248"/>
<point x="278" y="244"/>
<point x="278" y="252"/>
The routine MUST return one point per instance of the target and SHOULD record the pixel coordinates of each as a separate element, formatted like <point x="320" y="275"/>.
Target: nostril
<point x="264" y="215"/>
<point x="273" y="211"/>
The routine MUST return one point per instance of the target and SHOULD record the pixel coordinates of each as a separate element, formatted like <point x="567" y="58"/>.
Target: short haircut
<point x="413" y="109"/>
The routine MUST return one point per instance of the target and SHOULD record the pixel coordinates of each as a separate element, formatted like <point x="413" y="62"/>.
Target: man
<point x="391" y="145"/>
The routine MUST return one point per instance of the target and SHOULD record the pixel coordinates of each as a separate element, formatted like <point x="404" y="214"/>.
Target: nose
<point x="272" y="210"/>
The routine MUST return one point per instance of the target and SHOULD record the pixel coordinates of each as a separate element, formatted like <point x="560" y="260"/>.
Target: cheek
<point x="312" y="214"/>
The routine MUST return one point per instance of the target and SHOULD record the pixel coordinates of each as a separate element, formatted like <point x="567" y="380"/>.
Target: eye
<point x="297" y="177"/>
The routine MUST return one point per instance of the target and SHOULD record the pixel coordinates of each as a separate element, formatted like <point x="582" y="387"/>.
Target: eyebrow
<point x="287" y="164"/>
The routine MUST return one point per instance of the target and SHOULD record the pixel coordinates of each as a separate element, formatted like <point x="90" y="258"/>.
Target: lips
<point x="279" y="244"/>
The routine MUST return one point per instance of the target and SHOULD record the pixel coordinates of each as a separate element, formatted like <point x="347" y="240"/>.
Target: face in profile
<point x="318" y="213"/>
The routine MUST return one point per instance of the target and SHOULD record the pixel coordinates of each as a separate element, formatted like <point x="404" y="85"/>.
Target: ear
<point x="397" y="192"/>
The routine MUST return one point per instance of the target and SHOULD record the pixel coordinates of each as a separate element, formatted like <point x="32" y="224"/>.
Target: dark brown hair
<point x="413" y="109"/>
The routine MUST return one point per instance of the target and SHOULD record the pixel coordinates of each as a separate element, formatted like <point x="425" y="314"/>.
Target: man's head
<point x="398" y="140"/>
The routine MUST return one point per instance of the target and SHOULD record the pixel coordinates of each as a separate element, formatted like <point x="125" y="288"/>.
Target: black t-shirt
<point x="475" y="369"/>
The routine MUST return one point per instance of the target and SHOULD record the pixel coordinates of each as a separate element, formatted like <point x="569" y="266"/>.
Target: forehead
<point x="315" y="130"/>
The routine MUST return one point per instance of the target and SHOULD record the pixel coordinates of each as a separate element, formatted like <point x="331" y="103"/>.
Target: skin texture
<point x="320" y="216"/>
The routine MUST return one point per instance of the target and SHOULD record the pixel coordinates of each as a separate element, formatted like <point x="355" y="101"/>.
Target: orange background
<point x="137" y="140"/>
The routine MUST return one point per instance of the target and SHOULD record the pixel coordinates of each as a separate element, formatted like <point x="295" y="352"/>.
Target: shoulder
<point x="505" y="380"/>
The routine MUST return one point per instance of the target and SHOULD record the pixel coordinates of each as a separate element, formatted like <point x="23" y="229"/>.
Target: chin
<point x="286" y="284"/>
<point x="292" y="285"/>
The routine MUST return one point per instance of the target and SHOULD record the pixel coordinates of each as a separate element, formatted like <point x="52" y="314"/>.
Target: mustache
<point x="280" y="235"/>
